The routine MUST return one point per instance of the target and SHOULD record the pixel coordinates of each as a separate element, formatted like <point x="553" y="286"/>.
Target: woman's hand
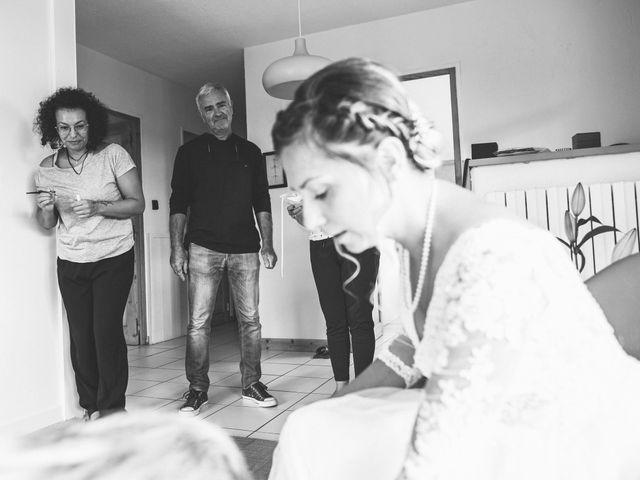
<point x="86" y="208"/>
<point x="46" y="201"/>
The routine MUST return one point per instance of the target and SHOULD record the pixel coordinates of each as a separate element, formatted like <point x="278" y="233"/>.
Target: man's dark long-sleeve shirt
<point x="220" y="183"/>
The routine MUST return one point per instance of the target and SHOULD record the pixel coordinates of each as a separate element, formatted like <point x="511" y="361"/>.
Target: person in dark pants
<point x="344" y="282"/>
<point x="220" y="180"/>
<point x="90" y="191"/>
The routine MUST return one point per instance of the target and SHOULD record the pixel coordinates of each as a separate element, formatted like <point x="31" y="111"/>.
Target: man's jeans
<point x="205" y="272"/>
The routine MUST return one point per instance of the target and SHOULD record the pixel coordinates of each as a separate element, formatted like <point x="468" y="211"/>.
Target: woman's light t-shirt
<point x="95" y="238"/>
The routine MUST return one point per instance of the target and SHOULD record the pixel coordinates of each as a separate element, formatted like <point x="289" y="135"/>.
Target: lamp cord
<point x="299" y="22"/>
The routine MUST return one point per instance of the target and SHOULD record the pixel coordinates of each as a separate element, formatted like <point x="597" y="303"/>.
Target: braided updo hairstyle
<point x="356" y="101"/>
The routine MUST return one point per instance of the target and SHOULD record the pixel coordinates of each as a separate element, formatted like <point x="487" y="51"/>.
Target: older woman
<point x="526" y="379"/>
<point x="90" y="191"/>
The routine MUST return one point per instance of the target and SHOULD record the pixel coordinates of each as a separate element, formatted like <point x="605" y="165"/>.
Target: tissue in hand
<point x="293" y="198"/>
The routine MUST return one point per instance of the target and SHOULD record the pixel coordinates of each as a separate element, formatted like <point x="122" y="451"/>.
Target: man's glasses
<point x="65" y="130"/>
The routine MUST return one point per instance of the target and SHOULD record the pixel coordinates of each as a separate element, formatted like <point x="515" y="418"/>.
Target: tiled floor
<point x="157" y="381"/>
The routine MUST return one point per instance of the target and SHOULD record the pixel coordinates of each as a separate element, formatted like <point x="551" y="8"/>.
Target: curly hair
<point x="71" y="98"/>
<point x="356" y="101"/>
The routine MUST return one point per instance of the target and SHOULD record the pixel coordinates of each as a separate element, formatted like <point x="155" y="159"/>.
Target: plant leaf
<point x="582" y="221"/>
<point x="582" y="259"/>
<point x="563" y="242"/>
<point x="625" y="245"/>
<point x="578" y="200"/>
<point x="596" y="231"/>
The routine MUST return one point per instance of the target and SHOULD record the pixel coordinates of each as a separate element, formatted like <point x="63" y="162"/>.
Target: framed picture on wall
<point x="275" y="172"/>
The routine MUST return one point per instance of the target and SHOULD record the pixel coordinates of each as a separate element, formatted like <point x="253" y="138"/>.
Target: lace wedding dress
<point x="526" y="381"/>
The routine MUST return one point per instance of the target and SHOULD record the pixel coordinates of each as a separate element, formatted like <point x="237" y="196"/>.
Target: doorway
<point x="224" y="309"/>
<point x="125" y="130"/>
<point x="435" y="93"/>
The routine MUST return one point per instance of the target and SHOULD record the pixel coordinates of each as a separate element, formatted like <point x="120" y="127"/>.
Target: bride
<point x="525" y="379"/>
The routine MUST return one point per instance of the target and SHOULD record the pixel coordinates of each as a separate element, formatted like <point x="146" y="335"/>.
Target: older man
<point x="219" y="182"/>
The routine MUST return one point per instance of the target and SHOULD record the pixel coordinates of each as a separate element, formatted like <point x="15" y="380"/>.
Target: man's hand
<point x="180" y="262"/>
<point x="269" y="258"/>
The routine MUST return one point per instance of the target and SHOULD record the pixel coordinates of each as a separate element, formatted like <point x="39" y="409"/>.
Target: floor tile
<point x="319" y="361"/>
<point x="135" y="403"/>
<point x="265" y="436"/>
<point x="311" y="398"/>
<point x="172" y="406"/>
<point x="298" y="358"/>
<point x="275" y="425"/>
<point x="174" y="353"/>
<point x="243" y="418"/>
<point x="296" y="384"/>
<point x="224" y="395"/>
<point x="151" y="362"/>
<point x="168" y="390"/>
<point x="176" y="342"/>
<point x="134" y="386"/>
<point x="174" y="365"/>
<point x="157" y="374"/>
<point x="267" y="354"/>
<point x="276" y="368"/>
<point x="317" y="371"/>
<point x="327" y="388"/>
<point x="234" y="432"/>
<point x="150" y="349"/>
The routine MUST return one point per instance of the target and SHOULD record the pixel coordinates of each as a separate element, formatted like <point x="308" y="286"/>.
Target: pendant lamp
<point x="283" y="76"/>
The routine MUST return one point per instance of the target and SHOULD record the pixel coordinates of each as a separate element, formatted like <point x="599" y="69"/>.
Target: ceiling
<point x="194" y="41"/>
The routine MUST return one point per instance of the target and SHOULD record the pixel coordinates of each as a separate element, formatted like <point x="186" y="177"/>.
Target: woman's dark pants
<point x="347" y="308"/>
<point x="95" y="295"/>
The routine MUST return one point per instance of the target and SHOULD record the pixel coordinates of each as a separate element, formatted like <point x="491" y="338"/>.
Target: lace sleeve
<point x="472" y="349"/>
<point x="400" y="360"/>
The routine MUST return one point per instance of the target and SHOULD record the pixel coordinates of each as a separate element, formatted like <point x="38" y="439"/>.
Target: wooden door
<point x="125" y="131"/>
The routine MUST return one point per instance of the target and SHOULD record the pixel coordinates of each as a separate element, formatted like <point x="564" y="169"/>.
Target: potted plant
<point x="573" y="222"/>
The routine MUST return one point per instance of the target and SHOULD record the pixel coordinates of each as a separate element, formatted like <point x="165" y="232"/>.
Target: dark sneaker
<point x="195" y="400"/>
<point x="258" y="394"/>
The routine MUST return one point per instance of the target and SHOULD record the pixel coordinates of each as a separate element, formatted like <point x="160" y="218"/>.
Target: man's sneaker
<point x="195" y="400"/>
<point x="258" y="394"/>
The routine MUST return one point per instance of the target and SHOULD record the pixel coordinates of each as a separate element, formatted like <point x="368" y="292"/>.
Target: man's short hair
<point x="211" y="87"/>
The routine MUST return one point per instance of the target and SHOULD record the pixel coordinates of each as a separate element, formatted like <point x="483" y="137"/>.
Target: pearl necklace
<point x="424" y="260"/>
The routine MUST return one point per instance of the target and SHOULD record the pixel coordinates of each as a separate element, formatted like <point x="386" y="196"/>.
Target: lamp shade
<point x="283" y="76"/>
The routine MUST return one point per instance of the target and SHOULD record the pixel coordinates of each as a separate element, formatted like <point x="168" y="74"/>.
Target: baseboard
<point x="34" y="421"/>
<point x="293" y="344"/>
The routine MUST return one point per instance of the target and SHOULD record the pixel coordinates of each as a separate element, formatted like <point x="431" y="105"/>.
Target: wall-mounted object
<point x="484" y="150"/>
<point x="586" y="140"/>
<point x="276" y="177"/>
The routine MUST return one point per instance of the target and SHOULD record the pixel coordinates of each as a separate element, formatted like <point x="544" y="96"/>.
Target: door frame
<point x="451" y="73"/>
<point x="138" y="227"/>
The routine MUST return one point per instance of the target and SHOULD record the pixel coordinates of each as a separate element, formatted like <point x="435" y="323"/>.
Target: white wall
<point x="37" y="47"/>
<point x="529" y="74"/>
<point x="164" y="109"/>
